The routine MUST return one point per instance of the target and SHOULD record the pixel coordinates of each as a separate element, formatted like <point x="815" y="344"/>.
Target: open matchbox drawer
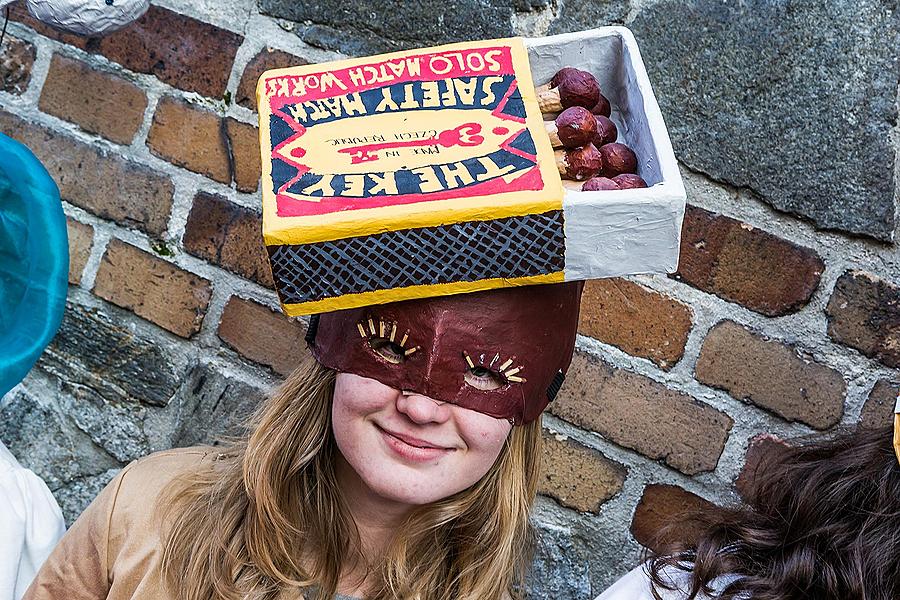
<point x="619" y="232"/>
<point x="359" y="209"/>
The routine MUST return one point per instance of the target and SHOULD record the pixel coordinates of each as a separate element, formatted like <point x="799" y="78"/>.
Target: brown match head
<point x="628" y="181"/>
<point x="576" y="126"/>
<point x="602" y="107"/>
<point x="580" y="163"/>
<point x="596" y="184"/>
<point x="564" y="72"/>
<point x="618" y="159"/>
<point x="606" y="132"/>
<point x="578" y="88"/>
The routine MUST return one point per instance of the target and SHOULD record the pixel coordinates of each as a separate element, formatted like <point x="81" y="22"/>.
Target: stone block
<point x="117" y="427"/>
<point x="97" y="349"/>
<point x="212" y="404"/>
<point x="571" y="15"/>
<point x="794" y="100"/>
<point x="45" y="441"/>
<point x="372" y="26"/>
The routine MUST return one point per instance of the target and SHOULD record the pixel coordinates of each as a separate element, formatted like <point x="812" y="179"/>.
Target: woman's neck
<point x="377" y="520"/>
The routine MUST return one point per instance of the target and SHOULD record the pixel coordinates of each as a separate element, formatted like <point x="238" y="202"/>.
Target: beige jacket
<point x="112" y="550"/>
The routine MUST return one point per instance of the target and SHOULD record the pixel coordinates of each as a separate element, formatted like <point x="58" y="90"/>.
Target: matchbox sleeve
<point x="440" y="150"/>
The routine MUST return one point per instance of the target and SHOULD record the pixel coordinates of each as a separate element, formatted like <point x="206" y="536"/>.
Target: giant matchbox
<point x="429" y="172"/>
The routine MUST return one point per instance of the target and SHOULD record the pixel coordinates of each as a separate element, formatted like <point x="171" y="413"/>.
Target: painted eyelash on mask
<point x="503" y="369"/>
<point x="382" y="333"/>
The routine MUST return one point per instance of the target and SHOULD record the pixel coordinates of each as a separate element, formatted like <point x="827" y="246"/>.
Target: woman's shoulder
<point x="161" y="467"/>
<point x="139" y="485"/>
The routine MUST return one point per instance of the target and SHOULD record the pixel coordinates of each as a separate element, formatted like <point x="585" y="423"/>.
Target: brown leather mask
<point x="501" y="352"/>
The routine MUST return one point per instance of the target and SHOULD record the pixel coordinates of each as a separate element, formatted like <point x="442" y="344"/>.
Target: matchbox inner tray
<point x="429" y="172"/>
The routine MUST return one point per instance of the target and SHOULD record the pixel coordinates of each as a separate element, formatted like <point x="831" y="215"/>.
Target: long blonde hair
<point x="267" y="516"/>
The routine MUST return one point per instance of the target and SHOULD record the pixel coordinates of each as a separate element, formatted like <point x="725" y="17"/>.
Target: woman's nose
<point x="421" y="409"/>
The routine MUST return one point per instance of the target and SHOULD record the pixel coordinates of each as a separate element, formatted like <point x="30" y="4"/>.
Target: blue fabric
<point x="34" y="261"/>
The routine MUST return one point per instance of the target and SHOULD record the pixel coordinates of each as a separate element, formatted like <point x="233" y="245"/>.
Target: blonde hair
<point x="267" y="516"/>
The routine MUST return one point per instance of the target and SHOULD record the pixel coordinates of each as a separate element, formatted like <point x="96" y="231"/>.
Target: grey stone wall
<point x="783" y="116"/>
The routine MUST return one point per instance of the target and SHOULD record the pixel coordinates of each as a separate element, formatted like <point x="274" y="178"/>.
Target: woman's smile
<point x="412" y="448"/>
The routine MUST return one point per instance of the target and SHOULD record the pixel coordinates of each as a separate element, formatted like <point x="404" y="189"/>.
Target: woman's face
<point x="408" y="448"/>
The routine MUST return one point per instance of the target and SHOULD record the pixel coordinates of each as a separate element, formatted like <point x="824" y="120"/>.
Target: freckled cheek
<point x="361" y="403"/>
<point x="488" y="440"/>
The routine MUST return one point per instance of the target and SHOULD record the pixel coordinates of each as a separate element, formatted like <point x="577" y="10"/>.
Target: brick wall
<point x="770" y="326"/>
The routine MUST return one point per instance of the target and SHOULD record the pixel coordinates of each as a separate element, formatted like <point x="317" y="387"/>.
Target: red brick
<point x="746" y="265"/>
<point x="152" y="288"/>
<point x="245" y="157"/>
<point x="103" y="183"/>
<point x="762" y="448"/>
<point x="263" y="335"/>
<point x="268" y="58"/>
<point x="228" y="235"/>
<point x="190" y="137"/>
<point x="18" y="12"/>
<point x="185" y="53"/>
<point x="636" y="412"/>
<point x="771" y="375"/>
<point x="81" y="238"/>
<point x="640" y="322"/>
<point x="576" y="476"/>
<point x="663" y="516"/>
<point x="878" y="411"/>
<point x="864" y="313"/>
<point x="16" y="60"/>
<point x="97" y="102"/>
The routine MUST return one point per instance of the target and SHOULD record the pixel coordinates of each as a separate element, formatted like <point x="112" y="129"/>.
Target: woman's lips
<point x="412" y="448"/>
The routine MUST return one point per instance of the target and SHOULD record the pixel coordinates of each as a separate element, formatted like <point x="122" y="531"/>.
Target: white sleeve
<point x="31" y="524"/>
<point x="635" y="585"/>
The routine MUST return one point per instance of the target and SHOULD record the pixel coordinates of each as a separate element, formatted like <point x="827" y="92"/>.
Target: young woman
<point x="401" y="464"/>
<point x="823" y="522"/>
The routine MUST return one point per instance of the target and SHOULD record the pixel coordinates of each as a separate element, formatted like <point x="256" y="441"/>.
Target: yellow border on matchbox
<point x="414" y="291"/>
<point x="426" y="213"/>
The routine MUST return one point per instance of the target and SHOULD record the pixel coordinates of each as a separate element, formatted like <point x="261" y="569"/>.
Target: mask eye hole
<point x="486" y="377"/>
<point x="388" y="350"/>
<point x="384" y="339"/>
<point x="482" y="378"/>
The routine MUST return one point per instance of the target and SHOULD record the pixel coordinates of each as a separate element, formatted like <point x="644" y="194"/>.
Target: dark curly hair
<point x="822" y="522"/>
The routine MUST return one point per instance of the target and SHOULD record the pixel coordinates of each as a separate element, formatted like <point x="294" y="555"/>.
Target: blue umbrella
<point x="34" y="261"/>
